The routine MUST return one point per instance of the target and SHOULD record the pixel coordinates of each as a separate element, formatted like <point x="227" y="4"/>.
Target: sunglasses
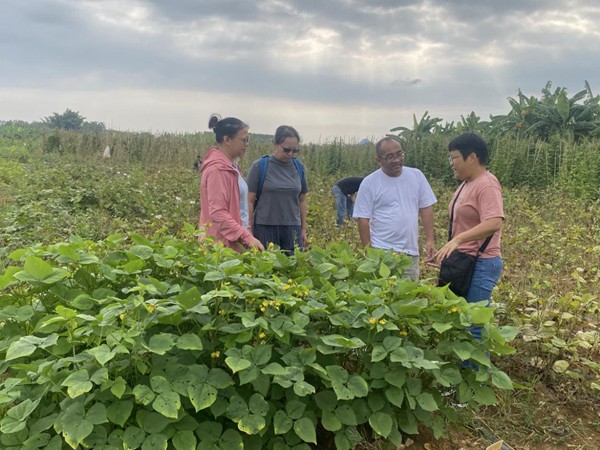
<point x="290" y="150"/>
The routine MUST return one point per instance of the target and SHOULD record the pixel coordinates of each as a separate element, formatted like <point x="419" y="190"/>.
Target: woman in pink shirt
<point x="220" y="200"/>
<point x="478" y="213"/>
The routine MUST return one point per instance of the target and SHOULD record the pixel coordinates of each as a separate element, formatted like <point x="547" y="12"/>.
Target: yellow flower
<point x="391" y="282"/>
<point x="382" y="321"/>
<point x="263" y="309"/>
<point x="215" y="355"/>
<point x="455" y="309"/>
<point x="271" y="246"/>
<point x="150" y="308"/>
<point x="286" y="287"/>
<point x="122" y="316"/>
<point x="261" y="335"/>
<point x="265" y="303"/>
<point x="372" y="320"/>
<point x="403" y="333"/>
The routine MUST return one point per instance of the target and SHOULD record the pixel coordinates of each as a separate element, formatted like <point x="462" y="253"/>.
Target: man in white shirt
<point x="389" y="204"/>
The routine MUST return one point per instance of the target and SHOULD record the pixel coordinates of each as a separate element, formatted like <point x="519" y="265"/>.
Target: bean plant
<point x="154" y="343"/>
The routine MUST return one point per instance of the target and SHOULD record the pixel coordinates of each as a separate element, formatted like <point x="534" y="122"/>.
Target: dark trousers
<point x="285" y="236"/>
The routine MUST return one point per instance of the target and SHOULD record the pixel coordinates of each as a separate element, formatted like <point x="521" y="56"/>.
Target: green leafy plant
<point x="137" y="343"/>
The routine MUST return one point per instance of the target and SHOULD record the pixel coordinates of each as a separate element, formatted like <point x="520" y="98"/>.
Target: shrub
<point x="139" y="343"/>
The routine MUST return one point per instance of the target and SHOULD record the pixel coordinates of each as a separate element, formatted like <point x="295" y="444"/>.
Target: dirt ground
<point x="541" y="419"/>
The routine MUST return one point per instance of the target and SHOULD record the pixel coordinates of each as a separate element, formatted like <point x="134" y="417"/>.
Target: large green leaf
<point x="358" y="386"/>
<point x="102" y="353"/>
<point x="251" y="424"/>
<point x="384" y="271"/>
<point x="189" y="341"/>
<point x="202" y="395"/>
<point x="379" y="353"/>
<point x="337" y="340"/>
<point x="330" y="421"/>
<point x="219" y="378"/>
<point x="78" y="383"/>
<point x="427" y="402"/>
<point x="161" y="343"/>
<point x="141" y="251"/>
<point x="395" y="396"/>
<point x="37" y="270"/>
<point x="326" y="400"/>
<point x="118" y="412"/>
<point x="168" y="404"/>
<point x="75" y="431"/>
<point x="337" y="373"/>
<point x="96" y="415"/>
<point x="22" y="347"/>
<point x="346" y="415"/>
<point x="21" y="411"/>
<point x="118" y="387"/>
<point x="10" y="425"/>
<point x="341" y="391"/>
<point x="302" y="389"/>
<point x="463" y="349"/>
<point x="258" y="404"/>
<point x="305" y="430"/>
<point x="482" y="315"/>
<point x="155" y="442"/>
<point x="484" y="395"/>
<point x="231" y="440"/>
<point x="274" y="369"/>
<point x="282" y="423"/>
<point x="501" y="380"/>
<point x="237" y="408"/>
<point x="381" y="423"/>
<point x="295" y="409"/>
<point x="236" y="363"/>
<point x="143" y="394"/>
<point x="184" y="440"/>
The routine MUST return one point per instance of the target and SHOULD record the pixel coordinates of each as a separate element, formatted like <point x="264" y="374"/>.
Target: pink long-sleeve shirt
<point x="220" y="201"/>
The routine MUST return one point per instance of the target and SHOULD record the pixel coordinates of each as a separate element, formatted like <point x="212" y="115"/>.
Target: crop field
<point x="119" y="330"/>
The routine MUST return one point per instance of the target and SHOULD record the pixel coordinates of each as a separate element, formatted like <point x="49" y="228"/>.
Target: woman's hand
<point x="445" y="251"/>
<point x="255" y="243"/>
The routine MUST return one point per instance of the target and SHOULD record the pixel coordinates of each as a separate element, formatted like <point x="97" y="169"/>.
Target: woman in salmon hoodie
<point x="220" y="201"/>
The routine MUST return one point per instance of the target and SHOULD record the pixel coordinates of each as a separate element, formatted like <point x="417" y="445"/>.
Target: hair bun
<point x="213" y="121"/>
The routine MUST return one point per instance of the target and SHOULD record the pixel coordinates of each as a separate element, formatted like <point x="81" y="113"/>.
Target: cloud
<point x="338" y="55"/>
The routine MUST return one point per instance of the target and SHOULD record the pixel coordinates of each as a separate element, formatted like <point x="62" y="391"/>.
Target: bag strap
<point x="452" y="210"/>
<point x="487" y="240"/>
<point x="262" y="173"/>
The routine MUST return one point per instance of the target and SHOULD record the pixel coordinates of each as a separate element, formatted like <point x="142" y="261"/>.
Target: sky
<point x="346" y="69"/>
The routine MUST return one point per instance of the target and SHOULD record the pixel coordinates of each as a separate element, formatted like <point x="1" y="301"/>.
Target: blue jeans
<point x="485" y="277"/>
<point x="343" y="205"/>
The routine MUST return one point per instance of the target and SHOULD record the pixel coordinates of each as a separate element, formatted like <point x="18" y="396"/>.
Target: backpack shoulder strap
<point x="262" y="173"/>
<point x="299" y="168"/>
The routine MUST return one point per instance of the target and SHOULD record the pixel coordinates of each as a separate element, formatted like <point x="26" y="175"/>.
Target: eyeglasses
<point x="244" y="140"/>
<point x="392" y="156"/>
<point x="290" y="150"/>
<point x="452" y="158"/>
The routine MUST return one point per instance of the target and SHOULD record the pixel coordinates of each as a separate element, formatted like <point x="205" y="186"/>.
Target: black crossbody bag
<point x="457" y="269"/>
